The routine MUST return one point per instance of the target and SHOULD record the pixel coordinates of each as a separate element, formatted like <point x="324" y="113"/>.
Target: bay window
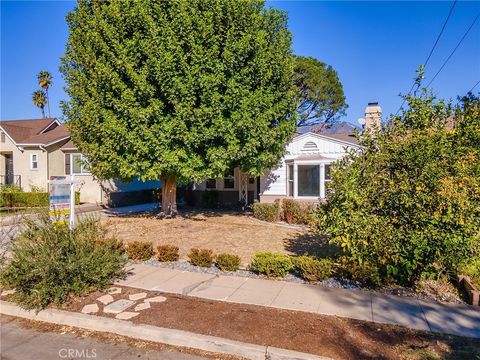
<point x="307" y="179"/>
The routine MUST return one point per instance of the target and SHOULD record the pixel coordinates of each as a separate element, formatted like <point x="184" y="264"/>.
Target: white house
<point x="301" y="174"/>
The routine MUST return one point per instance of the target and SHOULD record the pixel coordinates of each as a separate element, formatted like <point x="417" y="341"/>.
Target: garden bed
<point x="330" y="336"/>
<point x="440" y="291"/>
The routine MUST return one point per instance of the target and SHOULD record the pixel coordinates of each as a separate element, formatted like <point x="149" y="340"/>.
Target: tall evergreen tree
<point x="178" y="90"/>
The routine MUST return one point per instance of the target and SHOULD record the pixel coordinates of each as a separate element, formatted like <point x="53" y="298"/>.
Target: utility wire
<point x="431" y="51"/>
<point x="454" y="50"/>
<point x="474" y="86"/>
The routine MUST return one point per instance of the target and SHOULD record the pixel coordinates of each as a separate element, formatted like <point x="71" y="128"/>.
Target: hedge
<point x="28" y="199"/>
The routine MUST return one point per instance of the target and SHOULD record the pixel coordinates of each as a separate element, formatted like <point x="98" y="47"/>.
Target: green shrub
<point x="228" y="262"/>
<point x="271" y="264"/>
<point x="210" y="199"/>
<point x="49" y="262"/>
<point x="312" y="269"/>
<point x="296" y="212"/>
<point x="9" y="188"/>
<point x="265" y="212"/>
<point x="408" y="203"/>
<point x="365" y="273"/>
<point x="472" y="270"/>
<point x="139" y="250"/>
<point x="167" y="253"/>
<point x="12" y="199"/>
<point x="201" y="257"/>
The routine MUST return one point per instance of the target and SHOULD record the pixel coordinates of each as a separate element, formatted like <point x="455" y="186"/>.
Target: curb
<point x="172" y="337"/>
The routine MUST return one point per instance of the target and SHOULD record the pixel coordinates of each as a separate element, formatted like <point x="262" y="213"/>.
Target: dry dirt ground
<point x="221" y="232"/>
<point x="334" y="337"/>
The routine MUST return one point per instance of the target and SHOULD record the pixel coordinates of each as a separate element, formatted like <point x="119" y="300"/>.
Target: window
<point x="327" y="172"/>
<point x="308" y="180"/>
<point x="33" y="161"/>
<point x="290" y="180"/>
<point x="2" y="136"/>
<point x="229" y="179"/>
<point x="76" y="164"/>
<point x="211" y="184"/>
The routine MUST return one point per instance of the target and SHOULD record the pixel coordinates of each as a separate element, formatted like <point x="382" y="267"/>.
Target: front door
<point x="9" y="179"/>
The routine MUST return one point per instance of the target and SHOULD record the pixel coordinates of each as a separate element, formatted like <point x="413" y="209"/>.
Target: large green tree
<point x="408" y="203"/>
<point x="320" y="99"/>
<point x="178" y="90"/>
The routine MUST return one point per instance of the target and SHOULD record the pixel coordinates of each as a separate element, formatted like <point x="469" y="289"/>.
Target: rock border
<point x="171" y="337"/>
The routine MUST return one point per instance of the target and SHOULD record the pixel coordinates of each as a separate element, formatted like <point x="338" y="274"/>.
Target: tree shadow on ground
<point x="311" y="244"/>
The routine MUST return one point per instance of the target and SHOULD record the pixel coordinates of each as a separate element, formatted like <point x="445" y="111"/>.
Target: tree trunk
<point x="48" y="104"/>
<point x="169" y="195"/>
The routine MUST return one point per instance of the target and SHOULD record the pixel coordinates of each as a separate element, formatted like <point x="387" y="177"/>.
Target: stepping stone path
<point x="142" y="306"/>
<point x="114" y="290"/>
<point x="126" y="315"/>
<point x="7" y="292"/>
<point x="137" y="296"/>
<point x="156" y="299"/>
<point x="105" y="299"/>
<point x="90" y="309"/>
<point x="118" y="306"/>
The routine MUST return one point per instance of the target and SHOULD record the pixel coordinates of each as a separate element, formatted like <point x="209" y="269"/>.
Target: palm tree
<point x="44" y="79"/>
<point x="39" y="99"/>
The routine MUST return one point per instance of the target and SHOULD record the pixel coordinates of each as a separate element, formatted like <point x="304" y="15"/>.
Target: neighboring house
<point x="33" y="150"/>
<point x="302" y="173"/>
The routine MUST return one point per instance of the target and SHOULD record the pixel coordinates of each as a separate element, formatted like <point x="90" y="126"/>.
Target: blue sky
<point x="374" y="46"/>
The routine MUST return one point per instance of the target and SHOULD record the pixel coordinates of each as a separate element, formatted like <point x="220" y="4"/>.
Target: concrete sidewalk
<point x="462" y="320"/>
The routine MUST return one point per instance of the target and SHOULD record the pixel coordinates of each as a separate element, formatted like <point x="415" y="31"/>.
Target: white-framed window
<point x="310" y="180"/>
<point x="229" y="179"/>
<point x="33" y="161"/>
<point x="76" y="164"/>
<point x="290" y="180"/>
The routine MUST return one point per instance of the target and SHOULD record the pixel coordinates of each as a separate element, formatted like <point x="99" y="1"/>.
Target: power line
<point x="454" y="50"/>
<point x="431" y="51"/>
<point x="474" y="86"/>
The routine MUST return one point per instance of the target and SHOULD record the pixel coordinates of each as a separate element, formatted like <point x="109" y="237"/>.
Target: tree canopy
<point x="179" y="89"/>
<point x="320" y="97"/>
<point x="408" y="204"/>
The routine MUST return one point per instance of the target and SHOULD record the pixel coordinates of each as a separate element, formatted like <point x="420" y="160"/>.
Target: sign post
<point x="62" y="199"/>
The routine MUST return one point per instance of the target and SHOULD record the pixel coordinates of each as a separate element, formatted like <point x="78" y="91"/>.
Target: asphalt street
<point x="19" y="342"/>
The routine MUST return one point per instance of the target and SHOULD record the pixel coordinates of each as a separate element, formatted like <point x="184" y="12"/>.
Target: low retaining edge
<point x="172" y="337"/>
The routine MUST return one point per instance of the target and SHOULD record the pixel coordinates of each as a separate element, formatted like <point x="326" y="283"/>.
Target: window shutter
<point x="67" y="164"/>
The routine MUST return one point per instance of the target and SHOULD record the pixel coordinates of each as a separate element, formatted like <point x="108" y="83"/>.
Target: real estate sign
<point x="61" y="199"/>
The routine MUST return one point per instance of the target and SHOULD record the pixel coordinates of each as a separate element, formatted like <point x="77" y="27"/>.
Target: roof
<point x="69" y="145"/>
<point x="35" y="132"/>
<point x="342" y="131"/>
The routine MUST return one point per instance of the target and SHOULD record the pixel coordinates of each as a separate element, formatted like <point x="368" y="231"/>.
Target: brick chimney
<point x="373" y="116"/>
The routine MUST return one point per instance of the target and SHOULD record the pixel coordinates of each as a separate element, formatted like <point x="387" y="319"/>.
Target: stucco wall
<point x="21" y="165"/>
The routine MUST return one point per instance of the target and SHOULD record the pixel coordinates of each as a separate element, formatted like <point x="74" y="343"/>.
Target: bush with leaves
<point x="312" y="269"/>
<point x="265" y="212"/>
<point x="49" y="262"/>
<point x="139" y="250"/>
<point x="410" y="198"/>
<point x="271" y="264"/>
<point x="201" y="257"/>
<point x="228" y="262"/>
<point x="296" y="212"/>
<point x="166" y="253"/>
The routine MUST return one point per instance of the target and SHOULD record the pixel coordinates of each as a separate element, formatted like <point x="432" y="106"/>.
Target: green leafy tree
<point x="408" y="204"/>
<point x="44" y="79"/>
<point x="320" y="97"/>
<point x="180" y="90"/>
<point x="40" y="100"/>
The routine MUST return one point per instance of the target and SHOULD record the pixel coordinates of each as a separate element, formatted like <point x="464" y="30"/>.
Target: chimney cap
<point x="373" y="103"/>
